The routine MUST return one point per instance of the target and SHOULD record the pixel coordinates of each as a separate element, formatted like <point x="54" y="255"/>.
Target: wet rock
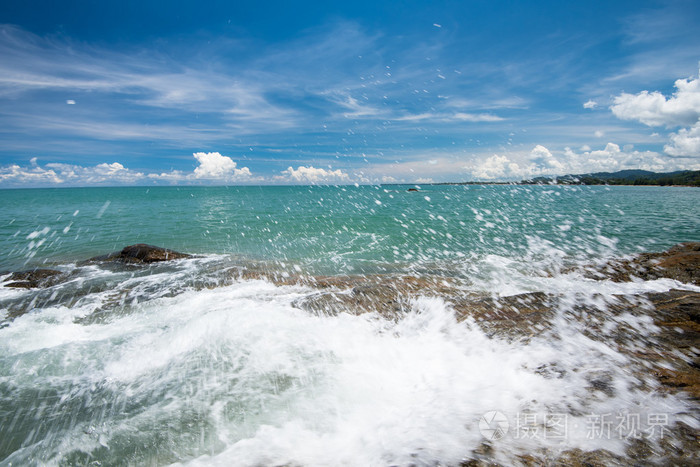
<point x="34" y="278"/>
<point x="681" y="262"/>
<point x="516" y="316"/>
<point x="360" y="298"/>
<point x="141" y="253"/>
<point x="381" y="299"/>
<point x="597" y="458"/>
<point x="677" y="315"/>
<point x="389" y="296"/>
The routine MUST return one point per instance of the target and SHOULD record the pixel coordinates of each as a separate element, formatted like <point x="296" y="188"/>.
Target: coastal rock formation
<point x="679" y="262"/>
<point x="662" y="351"/>
<point x="140" y="253"/>
<point x="677" y="315"/>
<point x="34" y="278"/>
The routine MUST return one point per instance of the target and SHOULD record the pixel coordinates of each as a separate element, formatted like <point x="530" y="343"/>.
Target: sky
<point x="277" y="92"/>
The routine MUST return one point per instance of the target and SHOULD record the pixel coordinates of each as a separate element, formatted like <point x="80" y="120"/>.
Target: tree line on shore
<point x="623" y="177"/>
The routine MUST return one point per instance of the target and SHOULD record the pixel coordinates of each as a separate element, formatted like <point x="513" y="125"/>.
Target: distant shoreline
<point x="686" y="178"/>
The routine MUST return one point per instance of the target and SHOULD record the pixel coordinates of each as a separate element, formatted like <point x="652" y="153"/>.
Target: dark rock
<point x="140" y="253"/>
<point x="413" y="189"/>
<point x="34" y="278"/>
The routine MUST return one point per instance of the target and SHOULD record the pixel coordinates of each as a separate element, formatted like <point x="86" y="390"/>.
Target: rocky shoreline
<point x="666" y="358"/>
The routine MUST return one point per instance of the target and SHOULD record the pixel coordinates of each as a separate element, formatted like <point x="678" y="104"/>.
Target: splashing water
<point x="200" y="362"/>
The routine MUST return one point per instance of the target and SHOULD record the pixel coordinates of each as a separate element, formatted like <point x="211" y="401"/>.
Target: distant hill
<point x="624" y="177"/>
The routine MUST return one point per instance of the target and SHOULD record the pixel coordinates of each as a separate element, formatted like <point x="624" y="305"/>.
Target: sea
<point x="215" y="360"/>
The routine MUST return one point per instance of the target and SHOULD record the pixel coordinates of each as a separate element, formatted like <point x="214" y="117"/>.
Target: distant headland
<point x="623" y="177"/>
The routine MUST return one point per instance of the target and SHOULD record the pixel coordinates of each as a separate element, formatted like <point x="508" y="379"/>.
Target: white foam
<point x="279" y="386"/>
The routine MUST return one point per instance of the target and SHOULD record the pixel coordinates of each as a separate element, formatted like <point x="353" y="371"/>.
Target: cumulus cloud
<point x="543" y="161"/>
<point x="68" y="174"/>
<point x="612" y="158"/>
<point x="212" y="165"/>
<point x="654" y="109"/>
<point x="540" y="161"/>
<point x="590" y="104"/>
<point x="684" y="143"/>
<point x="495" y="167"/>
<point x="313" y="175"/>
<point x="16" y="175"/>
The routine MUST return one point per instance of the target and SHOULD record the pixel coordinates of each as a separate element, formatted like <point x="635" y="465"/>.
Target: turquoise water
<point x="344" y="229"/>
<point x="193" y="362"/>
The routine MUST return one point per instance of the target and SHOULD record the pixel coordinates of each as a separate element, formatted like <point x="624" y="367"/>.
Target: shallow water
<point x="199" y="362"/>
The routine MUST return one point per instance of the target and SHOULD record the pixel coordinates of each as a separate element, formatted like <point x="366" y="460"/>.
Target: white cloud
<point x="212" y="165"/>
<point x="654" y="109"/>
<point x="590" y="104"/>
<point x="355" y="108"/>
<point x="417" y="117"/>
<point x="68" y="174"/>
<point x="495" y="167"/>
<point x="527" y="164"/>
<point x="467" y="117"/>
<point x="540" y="161"/>
<point x="114" y="173"/>
<point x="173" y="177"/>
<point x="313" y="175"/>
<point x="449" y="117"/>
<point x="612" y="158"/>
<point x="16" y="175"/>
<point x="685" y="143"/>
<point x="543" y="161"/>
<point x="144" y="78"/>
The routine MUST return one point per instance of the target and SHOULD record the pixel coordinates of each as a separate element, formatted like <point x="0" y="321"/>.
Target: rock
<point x="389" y="295"/>
<point x="681" y="262"/>
<point x="141" y="253"/>
<point x="516" y="316"/>
<point x="677" y="314"/>
<point x="413" y="189"/>
<point x="34" y="278"/>
<point x="382" y="299"/>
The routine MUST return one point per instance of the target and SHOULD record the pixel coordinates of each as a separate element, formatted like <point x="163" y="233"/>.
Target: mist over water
<point x="200" y="362"/>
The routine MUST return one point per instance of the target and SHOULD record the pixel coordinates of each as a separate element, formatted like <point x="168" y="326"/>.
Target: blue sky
<point x="156" y="92"/>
